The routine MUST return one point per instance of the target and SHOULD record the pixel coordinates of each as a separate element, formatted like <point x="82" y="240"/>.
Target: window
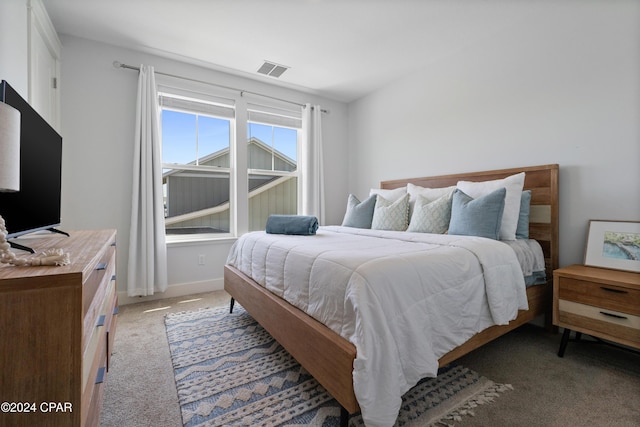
<point x="272" y="163"/>
<point x="196" y="143"/>
<point x="200" y="156"/>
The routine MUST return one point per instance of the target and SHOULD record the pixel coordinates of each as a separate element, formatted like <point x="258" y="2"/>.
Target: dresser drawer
<point x="94" y="356"/>
<point x="111" y="329"/>
<point x="100" y="273"/>
<point x="611" y="297"/>
<point x="96" y="286"/>
<point x="92" y="396"/>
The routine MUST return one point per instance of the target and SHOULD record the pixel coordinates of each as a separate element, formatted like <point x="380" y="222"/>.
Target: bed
<point x="330" y="357"/>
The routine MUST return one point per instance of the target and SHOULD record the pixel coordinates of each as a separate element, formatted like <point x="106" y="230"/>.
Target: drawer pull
<point x="615" y="291"/>
<point x="101" y="320"/>
<point x="113" y="243"/>
<point x="100" y="376"/>
<point x="113" y="277"/>
<point x="116" y="310"/>
<point x="102" y="266"/>
<point x="617" y="316"/>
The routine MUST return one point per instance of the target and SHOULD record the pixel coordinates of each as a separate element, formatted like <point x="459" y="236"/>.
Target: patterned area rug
<point x="230" y="371"/>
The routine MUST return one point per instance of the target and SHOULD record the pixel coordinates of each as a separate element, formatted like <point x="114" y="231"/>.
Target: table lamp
<point x="9" y="148"/>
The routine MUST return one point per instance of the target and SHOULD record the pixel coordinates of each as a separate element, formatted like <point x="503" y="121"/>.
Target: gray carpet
<point x="593" y="384"/>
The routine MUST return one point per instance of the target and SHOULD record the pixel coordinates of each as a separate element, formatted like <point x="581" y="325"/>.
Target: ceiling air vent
<point x="272" y="69"/>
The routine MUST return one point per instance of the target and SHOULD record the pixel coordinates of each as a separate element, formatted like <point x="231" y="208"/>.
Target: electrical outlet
<point x="201" y="259"/>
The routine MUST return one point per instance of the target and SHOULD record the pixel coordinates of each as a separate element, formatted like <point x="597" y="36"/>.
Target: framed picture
<point x="613" y="244"/>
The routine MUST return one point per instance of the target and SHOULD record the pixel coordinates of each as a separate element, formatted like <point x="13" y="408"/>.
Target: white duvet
<point x="403" y="299"/>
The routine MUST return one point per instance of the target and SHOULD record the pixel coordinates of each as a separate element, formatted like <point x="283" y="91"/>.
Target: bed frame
<point x="329" y="357"/>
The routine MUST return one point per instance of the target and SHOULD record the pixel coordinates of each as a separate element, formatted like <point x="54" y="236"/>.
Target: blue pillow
<point x="522" y="231"/>
<point x="359" y="214"/>
<point x="477" y="217"/>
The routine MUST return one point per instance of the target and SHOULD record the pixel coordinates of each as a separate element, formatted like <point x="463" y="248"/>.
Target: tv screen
<point x="37" y="205"/>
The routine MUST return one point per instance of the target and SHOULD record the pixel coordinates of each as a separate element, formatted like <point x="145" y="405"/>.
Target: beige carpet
<point x="593" y="384"/>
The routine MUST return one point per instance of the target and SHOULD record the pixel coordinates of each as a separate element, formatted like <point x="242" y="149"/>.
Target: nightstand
<point x="599" y="302"/>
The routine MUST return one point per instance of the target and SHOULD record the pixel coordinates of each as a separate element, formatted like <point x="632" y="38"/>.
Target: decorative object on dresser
<point x="57" y="332"/>
<point x="599" y="302"/>
<point x="613" y="244"/>
<point x="48" y="257"/>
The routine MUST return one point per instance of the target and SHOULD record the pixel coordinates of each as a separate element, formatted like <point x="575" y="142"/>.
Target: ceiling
<point x="338" y="49"/>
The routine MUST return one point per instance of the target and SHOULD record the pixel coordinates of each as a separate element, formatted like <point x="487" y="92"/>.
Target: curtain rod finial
<point x="117" y="64"/>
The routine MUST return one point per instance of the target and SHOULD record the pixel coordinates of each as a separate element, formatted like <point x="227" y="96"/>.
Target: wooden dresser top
<point x="83" y="248"/>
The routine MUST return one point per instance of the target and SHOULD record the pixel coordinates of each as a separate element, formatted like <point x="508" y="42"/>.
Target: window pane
<point x="271" y="148"/>
<point x="259" y="150"/>
<point x="271" y="195"/>
<point x="194" y="139"/>
<point x="285" y="142"/>
<point x="196" y="202"/>
<point x="213" y="141"/>
<point x="178" y="137"/>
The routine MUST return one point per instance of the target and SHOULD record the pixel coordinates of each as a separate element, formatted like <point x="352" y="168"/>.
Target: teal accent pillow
<point x="359" y="214"/>
<point x="477" y="217"/>
<point x="522" y="231"/>
<point x="514" y="185"/>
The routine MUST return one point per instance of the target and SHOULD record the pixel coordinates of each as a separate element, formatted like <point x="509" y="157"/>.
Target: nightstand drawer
<point x="602" y="295"/>
<point x="597" y="319"/>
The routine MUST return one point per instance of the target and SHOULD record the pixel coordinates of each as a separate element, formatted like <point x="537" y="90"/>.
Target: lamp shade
<point x="9" y="148"/>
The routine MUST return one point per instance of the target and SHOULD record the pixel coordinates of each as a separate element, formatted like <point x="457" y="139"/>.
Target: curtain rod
<point x="118" y="64"/>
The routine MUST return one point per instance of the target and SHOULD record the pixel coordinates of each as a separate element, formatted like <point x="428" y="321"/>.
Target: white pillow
<point x="390" y="195"/>
<point x="430" y="194"/>
<point x="513" y="184"/>
<point x="390" y="215"/>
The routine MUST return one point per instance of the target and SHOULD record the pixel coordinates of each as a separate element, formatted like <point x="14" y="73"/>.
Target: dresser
<point x="57" y="328"/>
<point x="599" y="302"/>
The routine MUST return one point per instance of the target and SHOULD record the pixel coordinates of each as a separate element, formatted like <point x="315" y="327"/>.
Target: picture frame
<point x="613" y="244"/>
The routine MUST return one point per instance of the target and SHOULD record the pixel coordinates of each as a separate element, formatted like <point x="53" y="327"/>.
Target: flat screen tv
<point x="37" y="205"/>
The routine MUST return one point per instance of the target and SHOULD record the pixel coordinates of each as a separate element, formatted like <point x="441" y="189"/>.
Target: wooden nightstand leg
<point x="564" y="341"/>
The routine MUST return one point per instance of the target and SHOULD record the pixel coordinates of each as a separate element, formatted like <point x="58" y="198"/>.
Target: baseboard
<point x="177" y="290"/>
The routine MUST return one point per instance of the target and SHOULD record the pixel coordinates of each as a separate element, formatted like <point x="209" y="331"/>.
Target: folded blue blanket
<point x="292" y="224"/>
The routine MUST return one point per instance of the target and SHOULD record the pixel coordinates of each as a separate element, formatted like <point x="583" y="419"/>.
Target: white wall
<point x="98" y="117"/>
<point x="14" y="44"/>
<point x="560" y="86"/>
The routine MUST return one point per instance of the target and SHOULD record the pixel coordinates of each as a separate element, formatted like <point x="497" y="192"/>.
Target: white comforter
<point x="403" y="299"/>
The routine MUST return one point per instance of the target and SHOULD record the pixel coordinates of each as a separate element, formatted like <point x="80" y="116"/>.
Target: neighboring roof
<point x="255" y="141"/>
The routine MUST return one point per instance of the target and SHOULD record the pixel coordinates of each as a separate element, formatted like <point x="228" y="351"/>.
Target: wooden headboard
<point x="543" y="218"/>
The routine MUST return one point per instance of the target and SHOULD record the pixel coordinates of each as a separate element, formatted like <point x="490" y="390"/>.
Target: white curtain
<point x="312" y="168"/>
<point x="147" y="269"/>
